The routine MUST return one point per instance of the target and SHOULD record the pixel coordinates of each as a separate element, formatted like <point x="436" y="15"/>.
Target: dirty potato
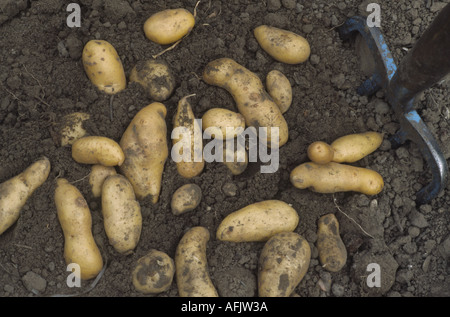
<point x="71" y="127"/>
<point x="332" y="251"/>
<point x="97" y="176"/>
<point x="280" y="89"/>
<point x="186" y="198"/>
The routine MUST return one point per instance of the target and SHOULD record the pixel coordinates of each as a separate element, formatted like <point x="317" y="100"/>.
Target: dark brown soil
<point x="42" y="79"/>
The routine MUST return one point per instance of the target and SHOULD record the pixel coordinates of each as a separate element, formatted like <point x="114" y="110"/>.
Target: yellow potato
<point x="186" y="198"/>
<point x="222" y="123"/>
<point x="155" y="77"/>
<point x="144" y="143"/>
<point x="332" y="251"/>
<point x="187" y="138"/>
<point x="121" y="214"/>
<point x="169" y="26"/>
<point x="284" y="46"/>
<point x="97" y="150"/>
<point x="103" y="66"/>
<point x="191" y="267"/>
<point x="98" y="175"/>
<point x="335" y="177"/>
<point x="353" y="147"/>
<point x="258" y="222"/>
<point x="72" y="127"/>
<point x="252" y="100"/>
<point x="15" y="192"/>
<point x="153" y="273"/>
<point x="280" y="89"/>
<point x="320" y="152"/>
<point x="236" y="160"/>
<point x="76" y="222"/>
<point x="283" y="263"/>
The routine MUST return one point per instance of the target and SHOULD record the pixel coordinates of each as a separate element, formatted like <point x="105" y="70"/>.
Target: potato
<point x="97" y="150"/>
<point x="153" y="273"/>
<point x="236" y="161"/>
<point x="258" y="222"/>
<point x="353" y="147"/>
<point x="76" y="222"/>
<point x="252" y="100"/>
<point x="121" y="214"/>
<point x="222" y="123"/>
<point x="186" y="198"/>
<point x="284" y="46"/>
<point x="144" y="143"/>
<point x="320" y="152"/>
<point x="155" y="77"/>
<point x="191" y="265"/>
<point x="103" y="66"/>
<point x="283" y="262"/>
<point x="71" y="127"/>
<point x="98" y="175"/>
<point x="169" y="26"/>
<point x="15" y="192"/>
<point x="280" y="89"/>
<point x="187" y="138"/>
<point x="332" y="252"/>
<point x="335" y="177"/>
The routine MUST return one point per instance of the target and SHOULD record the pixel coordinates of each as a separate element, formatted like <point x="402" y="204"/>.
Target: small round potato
<point x="222" y="123"/>
<point x="169" y="26"/>
<point x="284" y="46"/>
<point x="98" y="175"/>
<point x="97" y="150"/>
<point x="121" y="213"/>
<point x="320" y="152"/>
<point x="153" y="273"/>
<point x="332" y="251"/>
<point x="72" y="127"/>
<point x="186" y="198"/>
<point x="283" y="263"/>
<point x="280" y="89"/>
<point x="258" y="222"/>
<point x="103" y="66"/>
<point x="155" y="77"/>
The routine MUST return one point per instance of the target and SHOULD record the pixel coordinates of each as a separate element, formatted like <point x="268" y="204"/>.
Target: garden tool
<point x="426" y="64"/>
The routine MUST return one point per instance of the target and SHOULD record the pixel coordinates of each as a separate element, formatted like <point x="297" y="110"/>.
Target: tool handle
<point x="427" y="62"/>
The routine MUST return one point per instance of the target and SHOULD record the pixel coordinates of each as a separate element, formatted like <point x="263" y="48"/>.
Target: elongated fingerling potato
<point x="258" y="222"/>
<point x="332" y="251"/>
<point x="15" y="192"/>
<point x="251" y="97"/>
<point x="144" y="143"/>
<point x="335" y="177"/>
<point x="76" y="222"/>
<point x="280" y="89"/>
<point x="222" y="123"/>
<point x="98" y="175"/>
<point x="121" y="214"/>
<point x="97" y="150"/>
<point x="103" y="66"/>
<point x="353" y="147"/>
<point x="283" y="262"/>
<point x="191" y="268"/>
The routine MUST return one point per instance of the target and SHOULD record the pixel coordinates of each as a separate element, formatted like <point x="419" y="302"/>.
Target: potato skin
<point x="353" y="147"/>
<point x="233" y="160"/>
<point x="191" y="265"/>
<point x="280" y="89"/>
<point x="71" y="127"/>
<point x="186" y="198"/>
<point x="103" y="66"/>
<point x="155" y="77"/>
<point x="76" y="222"/>
<point x="153" y="272"/>
<point x="215" y="122"/>
<point x="320" y="152"/>
<point x="252" y="100"/>
<point x="192" y="166"/>
<point x="144" y="143"/>
<point x="283" y="262"/>
<point x="98" y="175"/>
<point x="97" y="150"/>
<point x="332" y="251"/>
<point x="169" y="26"/>
<point x="335" y="177"/>
<point x="15" y="192"/>
<point x="121" y="214"/>
<point x="284" y="46"/>
<point x="258" y="222"/>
